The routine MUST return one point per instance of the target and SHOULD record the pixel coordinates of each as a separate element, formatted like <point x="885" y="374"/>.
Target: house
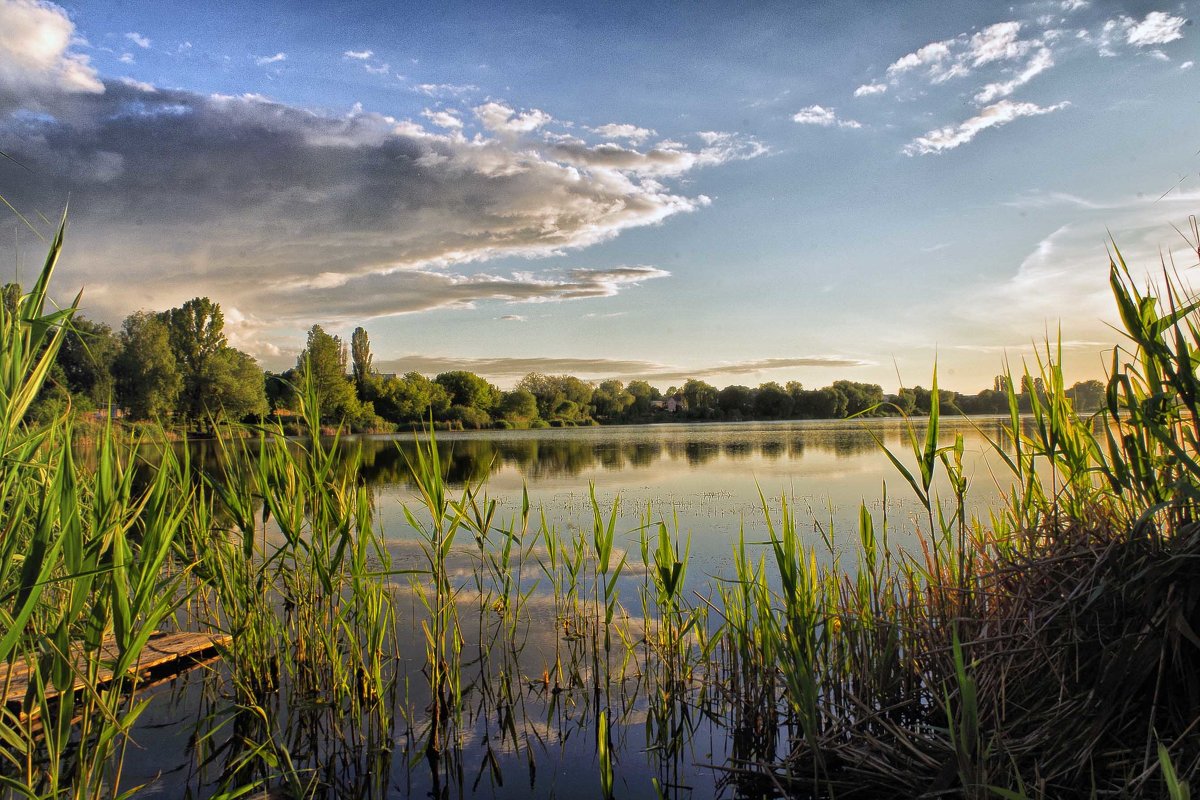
<point x="671" y="404"/>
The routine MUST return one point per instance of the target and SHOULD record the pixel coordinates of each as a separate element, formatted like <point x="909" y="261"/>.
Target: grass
<point x="1049" y="651"/>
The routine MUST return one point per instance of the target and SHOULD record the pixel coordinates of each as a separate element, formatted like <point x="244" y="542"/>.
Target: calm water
<point x="708" y="477"/>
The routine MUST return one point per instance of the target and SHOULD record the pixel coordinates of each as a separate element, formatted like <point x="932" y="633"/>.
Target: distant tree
<point x="701" y="397"/>
<point x="611" y="399"/>
<point x="469" y="390"/>
<point x="772" y="401"/>
<point x="519" y="406"/>
<point x="643" y="395"/>
<point x="237" y="385"/>
<point x="148" y="381"/>
<point x="86" y="356"/>
<point x="735" y="402"/>
<point x="411" y="399"/>
<point x="860" y="397"/>
<point x="323" y="363"/>
<point x="905" y="400"/>
<point x="197" y="334"/>
<point x="360" y="354"/>
<point x="1087" y="395"/>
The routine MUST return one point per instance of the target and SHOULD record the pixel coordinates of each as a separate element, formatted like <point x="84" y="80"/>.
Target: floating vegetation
<point x="1050" y="650"/>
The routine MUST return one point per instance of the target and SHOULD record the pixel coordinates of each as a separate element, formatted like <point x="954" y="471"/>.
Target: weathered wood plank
<point x="163" y="651"/>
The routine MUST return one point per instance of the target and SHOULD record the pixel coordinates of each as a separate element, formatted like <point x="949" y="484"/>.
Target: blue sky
<point x="781" y="191"/>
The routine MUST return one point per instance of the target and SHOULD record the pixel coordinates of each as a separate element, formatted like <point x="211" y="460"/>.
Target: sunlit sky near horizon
<point x="733" y="192"/>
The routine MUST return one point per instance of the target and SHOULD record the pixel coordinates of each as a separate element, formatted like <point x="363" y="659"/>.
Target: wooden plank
<point x="163" y="652"/>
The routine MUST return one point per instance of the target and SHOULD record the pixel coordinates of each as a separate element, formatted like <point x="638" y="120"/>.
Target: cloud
<point x="138" y="39"/>
<point x="445" y="89"/>
<point x="1157" y="28"/>
<point x="1187" y="65"/>
<point x="263" y="61"/>
<point x="502" y="369"/>
<point x="443" y="119"/>
<point x="1041" y="61"/>
<point x="377" y="69"/>
<point x="952" y="136"/>
<point x="36" y="57"/>
<point x="825" y="117"/>
<point x="297" y="216"/>
<point x="868" y="89"/>
<point x="513" y="318"/>
<point x="499" y="118"/>
<point x="360" y="55"/>
<point x="929" y="55"/>
<point x="615" y="130"/>
<point x="999" y="42"/>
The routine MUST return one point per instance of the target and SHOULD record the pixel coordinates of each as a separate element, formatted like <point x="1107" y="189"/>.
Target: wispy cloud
<point x="263" y="61"/>
<point x="615" y="130"/>
<point x="1041" y="61"/>
<point x="868" y="89"/>
<point x="1158" y="27"/>
<point x="443" y="119"/>
<point x="138" y="39"/>
<point x="824" y="117"/>
<point x="359" y="55"/>
<point x="952" y="136"/>
<point x="499" y="118"/>
<point x="445" y="89"/>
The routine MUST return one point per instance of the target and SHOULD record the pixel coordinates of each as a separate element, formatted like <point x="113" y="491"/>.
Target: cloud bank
<point x="282" y="213"/>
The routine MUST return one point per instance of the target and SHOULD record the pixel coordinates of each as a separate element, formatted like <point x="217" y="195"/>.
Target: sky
<point x="734" y="192"/>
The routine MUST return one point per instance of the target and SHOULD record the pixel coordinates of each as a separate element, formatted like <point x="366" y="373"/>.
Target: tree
<point x="412" y="398"/>
<point x="701" y="397"/>
<point x="519" y="405"/>
<point x="1087" y="395"/>
<point x="468" y="389"/>
<point x="772" y="401"/>
<point x="736" y="402"/>
<point x="360" y="355"/>
<point x="238" y="387"/>
<point x="610" y="399"/>
<point x="643" y="395"/>
<point x="86" y="356"/>
<point x="196" y="331"/>
<point x="860" y="397"/>
<point x="147" y="378"/>
<point x="322" y="365"/>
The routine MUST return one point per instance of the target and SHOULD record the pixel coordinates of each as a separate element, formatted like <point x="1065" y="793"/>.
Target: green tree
<point x="86" y="356"/>
<point x="238" y="387"/>
<point x="701" y="397"/>
<point x="469" y="390"/>
<point x="772" y="401"/>
<point x="148" y="382"/>
<point x="197" y="334"/>
<point x="323" y="363"/>
<point x="643" y="395"/>
<point x="360" y="359"/>
<point x="610" y="399"/>
<point x="735" y="402"/>
<point x="519" y="406"/>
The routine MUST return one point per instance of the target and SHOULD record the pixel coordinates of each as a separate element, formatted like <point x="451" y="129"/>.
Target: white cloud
<point x="499" y="118"/>
<point x="952" y="136"/>
<point x="931" y="54"/>
<point x="35" y="42"/>
<point x="138" y="39"/>
<point x="360" y="55"/>
<point x="141" y="86"/>
<point x="824" y="117"/>
<point x="377" y="69"/>
<point x="445" y="89"/>
<point x="1158" y="55"/>
<point x="868" y="89"/>
<point x="1041" y="61"/>
<point x="125" y="58"/>
<point x="1157" y="28"/>
<point x="263" y="61"/>
<point x="443" y="119"/>
<point x="1073" y="5"/>
<point x="633" y="133"/>
<point x="999" y="42"/>
<point x="1187" y="65"/>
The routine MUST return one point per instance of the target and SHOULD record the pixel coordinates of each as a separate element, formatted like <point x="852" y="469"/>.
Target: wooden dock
<point x="164" y="654"/>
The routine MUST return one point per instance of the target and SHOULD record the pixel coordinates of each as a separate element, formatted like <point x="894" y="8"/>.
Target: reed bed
<point x="1049" y="651"/>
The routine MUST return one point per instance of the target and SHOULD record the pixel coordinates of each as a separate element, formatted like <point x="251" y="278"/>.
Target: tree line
<point x="177" y="366"/>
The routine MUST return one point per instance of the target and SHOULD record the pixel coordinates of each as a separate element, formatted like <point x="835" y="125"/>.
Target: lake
<point x="515" y="737"/>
